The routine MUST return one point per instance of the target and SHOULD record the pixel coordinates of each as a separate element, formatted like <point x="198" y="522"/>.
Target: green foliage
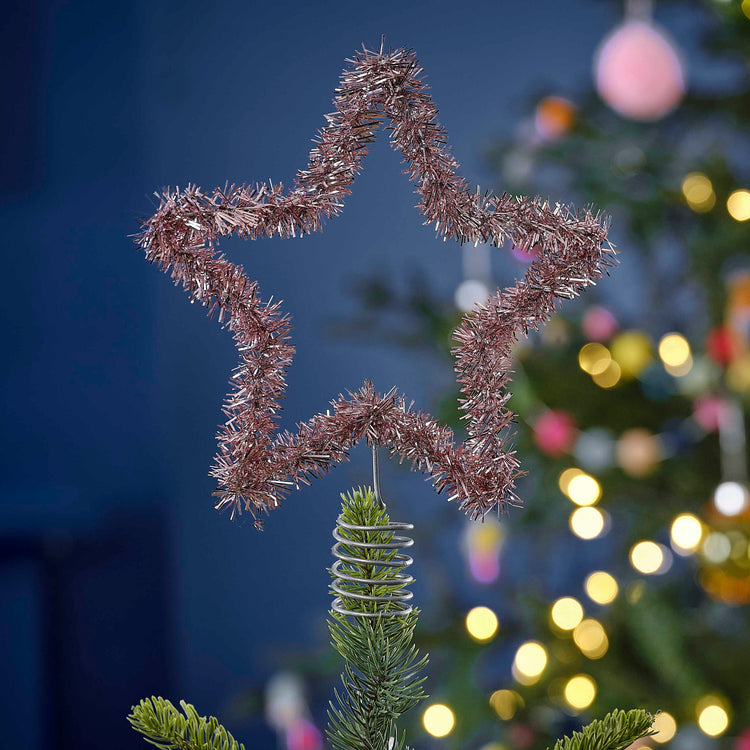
<point x="163" y="726"/>
<point x="615" y="731"/>
<point x="381" y="673"/>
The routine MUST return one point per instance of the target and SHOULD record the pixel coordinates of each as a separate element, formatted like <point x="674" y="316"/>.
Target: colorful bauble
<point x="638" y="72"/>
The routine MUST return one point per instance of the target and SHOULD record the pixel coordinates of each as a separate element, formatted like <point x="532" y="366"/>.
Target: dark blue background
<point x="117" y="578"/>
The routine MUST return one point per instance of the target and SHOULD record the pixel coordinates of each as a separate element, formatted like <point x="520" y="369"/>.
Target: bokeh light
<point x="566" y="613"/>
<point x="717" y="547"/>
<point x="686" y="533"/>
<point x="481" y="622"/>
<point x="587" y="523"/>
<point x="632" y="351"/>
<point x="738" y="205"/>
<point x="594" y="358"/>
<point x="438" y="720"/>
<point x="610" y="377"/>
<point x="713" y="718"/>
<point x="665" y="727"/>
<point x="601" y="587"/>
<point x="730" y="498"/>
<point x="583" y="489"/>
<point x="580" y="691"/>
<point x="674" y="350"/>
<point x="530" y="662"/>
<point x="699" y="192"/>
<point x="591" y="638"/>
<point x="647" y="557"/>
<point x="565" y="478"/>
<point x="505" y="703"/>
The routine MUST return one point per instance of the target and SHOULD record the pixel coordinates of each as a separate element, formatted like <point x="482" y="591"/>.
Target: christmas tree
<point x="637" y="516"/>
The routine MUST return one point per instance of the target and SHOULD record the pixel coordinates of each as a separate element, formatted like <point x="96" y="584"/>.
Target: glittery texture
<point x="255" y="467"/>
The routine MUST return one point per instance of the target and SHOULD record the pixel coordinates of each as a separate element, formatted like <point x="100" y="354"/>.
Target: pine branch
<point x="615" y="731"/>
<point x="163" y="726"/>
<point x="382" y="667"/>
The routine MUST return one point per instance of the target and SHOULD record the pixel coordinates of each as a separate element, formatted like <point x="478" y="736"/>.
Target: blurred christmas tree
<point x="634" y="409"/>
<point x="631" y="417"/>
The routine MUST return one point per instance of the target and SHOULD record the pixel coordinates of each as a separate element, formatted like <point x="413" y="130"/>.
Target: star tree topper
<point x="256" y="465"/>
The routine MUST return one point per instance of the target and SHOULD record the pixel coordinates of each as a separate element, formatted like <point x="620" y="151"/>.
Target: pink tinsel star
<point x="255" y="467"/>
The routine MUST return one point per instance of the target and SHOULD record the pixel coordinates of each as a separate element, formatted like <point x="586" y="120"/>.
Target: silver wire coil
<point x="390" y="604"/>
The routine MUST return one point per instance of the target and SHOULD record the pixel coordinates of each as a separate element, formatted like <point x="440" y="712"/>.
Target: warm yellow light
<point x="610" y="377"/>
<point x="505" y="703"/>
<point x="686" y="533"/>
<point x="646" y="557"/>
<point x="438" y="720"/>
<point x="679" y="371"/>
<point x="584" y="489"/>
<point x="481" y="622"/>
<point x="531" y="659"/>
<point x="590" y="637"/>
<point x="566" y="477"/>
<point x="632" y="351"/>
<point x="738" y="205"/>
<point x="601" y="587"/>
<point x="665" y="727"/>
<point x="746" y="8"/>
<point x="699" y="192"/>
<point x="674" y="349"/>
<point x="566" y="613"/>
<point x="587" y="523"/>
<point x="594" y="358"/>
<point x="580" y="691"/>
<point x="712" y="717"/>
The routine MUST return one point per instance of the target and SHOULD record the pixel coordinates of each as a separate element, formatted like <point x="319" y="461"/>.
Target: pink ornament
<point x="708" y="412"/>
<point x="524" y="255"/>
<point x="555" y="432"/>
<point x="638" y="72"/>
<point x="598" y="324"/>
<point x="303" y="735"/>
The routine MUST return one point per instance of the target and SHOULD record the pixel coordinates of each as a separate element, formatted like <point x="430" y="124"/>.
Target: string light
<point x="566" y="477"/>
<point x="438" y="720"/>
<point x="730" y="498"/>
<point x="610" y="377"/>
<point x="530" y="662"/>
<point x="594" y="358"/>
<point x="674" y="351"/>
<point x="665" y="727"/>
<point x="587" y="523"/>
<point x="580" y="691"/>
<point x="746" y="8"/>
<point x="647" y="557"/>
<point x="505" y="703"/>
<point x="566" y="613"/>
<point x="717" y="547"/>
<point x="699" y="192"/>
<point x="481" y="622"/>
<point x="713" y="718"/>
<point x="686" y="533"/>
<point x="601" y="587"/>
<point x="738" y="205"/>
<point x="583" y="489"/>
<point x="591" y="638"/>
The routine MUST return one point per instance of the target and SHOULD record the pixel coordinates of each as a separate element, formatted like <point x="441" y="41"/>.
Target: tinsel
<point x="255" y="467"/>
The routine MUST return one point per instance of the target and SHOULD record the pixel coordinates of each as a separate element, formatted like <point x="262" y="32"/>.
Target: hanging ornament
<point x="637" y="69"/>
<point x="595" y="449"/>
<point x="554" y="117"/>
<point x="638" y="452"/>
<point x="555" y="432"/>
<point x="598" y="324"/>
<point x="482" y="544"/>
